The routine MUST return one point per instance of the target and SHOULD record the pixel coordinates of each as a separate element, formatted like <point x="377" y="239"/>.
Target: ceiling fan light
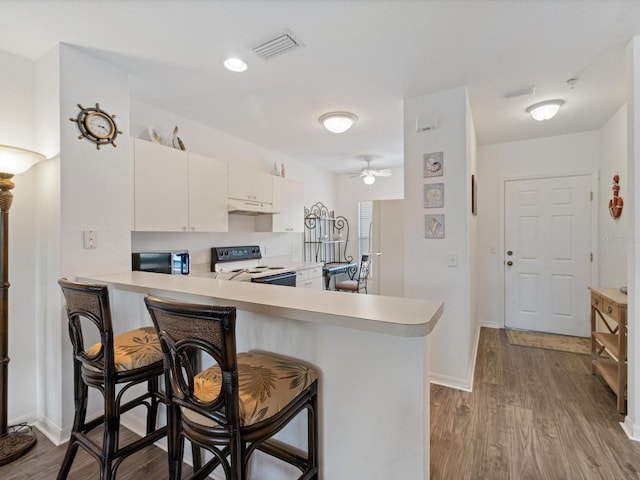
<point x="545" y="110"/>
<point x="369" y="179"/>
<point x="338" y="122"/>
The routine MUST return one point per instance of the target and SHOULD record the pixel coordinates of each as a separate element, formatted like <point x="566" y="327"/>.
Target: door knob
<point x="509" y="263"/>
<point x="509" y="253"/>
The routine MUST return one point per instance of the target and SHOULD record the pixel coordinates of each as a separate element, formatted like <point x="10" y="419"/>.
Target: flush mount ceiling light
<point x="545" y="110"/>
<point x="235" y="64"/>
<point x="338" y="122"/>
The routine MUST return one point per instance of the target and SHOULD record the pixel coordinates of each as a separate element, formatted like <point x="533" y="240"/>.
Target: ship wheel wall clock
<point x="96" y="125"/>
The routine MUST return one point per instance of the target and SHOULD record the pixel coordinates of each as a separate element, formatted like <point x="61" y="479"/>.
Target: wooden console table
<point x="610" y="306"/>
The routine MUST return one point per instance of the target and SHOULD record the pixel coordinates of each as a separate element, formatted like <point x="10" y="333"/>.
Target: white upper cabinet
<point x="207" y="195"/>
<point x="288" y="200"/>
<point x="176" y="191"/>
<point x="251" y="185"/>
<point x="161" y="195"/>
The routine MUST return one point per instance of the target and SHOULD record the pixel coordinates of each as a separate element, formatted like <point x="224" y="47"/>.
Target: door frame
<point x="594" y="227"/>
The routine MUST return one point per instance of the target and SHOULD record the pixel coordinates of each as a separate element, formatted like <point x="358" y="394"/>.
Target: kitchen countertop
<point x="402" y="317"/>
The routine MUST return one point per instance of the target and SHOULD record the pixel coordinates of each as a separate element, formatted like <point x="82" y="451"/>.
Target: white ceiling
<point x="360" y="56"/>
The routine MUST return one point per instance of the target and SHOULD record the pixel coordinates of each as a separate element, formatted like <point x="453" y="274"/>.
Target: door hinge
<point x="591" y="196"/>
<point x="591" y="257"/>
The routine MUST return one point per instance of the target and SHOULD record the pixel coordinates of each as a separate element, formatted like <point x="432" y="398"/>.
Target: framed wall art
<point x="434" y="195"/>
<point x="434" y="226"/>
<point x="433" y="164"/>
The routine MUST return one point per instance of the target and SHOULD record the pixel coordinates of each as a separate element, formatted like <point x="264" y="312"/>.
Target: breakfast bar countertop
<point x="403" y="317"/>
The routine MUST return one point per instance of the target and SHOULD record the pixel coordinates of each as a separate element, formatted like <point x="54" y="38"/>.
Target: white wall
<point x="632" y="420"/>
<point x="576" y="153"/>
<point x="472" y="246"/>
<point x="612" y="233"/>
<point x="49" y="328"/>
<point x="94" y="195"/>
<point x="426" y="272"/>
<point x="17" y="128"/>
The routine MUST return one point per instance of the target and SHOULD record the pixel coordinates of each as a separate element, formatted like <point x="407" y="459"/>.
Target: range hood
<point x="247" y="207"/>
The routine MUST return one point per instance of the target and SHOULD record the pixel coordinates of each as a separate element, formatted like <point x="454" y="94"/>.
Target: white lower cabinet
<point x="177" y="191"/>
<point x="310" y="277"/>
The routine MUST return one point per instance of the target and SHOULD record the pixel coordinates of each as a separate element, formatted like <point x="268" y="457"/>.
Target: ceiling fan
<point x="369" y="174"/>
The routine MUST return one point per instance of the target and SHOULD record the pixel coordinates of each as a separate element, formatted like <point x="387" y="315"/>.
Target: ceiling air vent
<point x="519" y="93"/>
<point x="276" y="45"/>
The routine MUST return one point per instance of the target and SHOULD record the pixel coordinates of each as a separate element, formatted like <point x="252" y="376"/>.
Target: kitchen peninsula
<point x="372" y="353"/>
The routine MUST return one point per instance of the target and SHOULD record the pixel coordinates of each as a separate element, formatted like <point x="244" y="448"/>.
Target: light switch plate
<point x="452" y="259"/>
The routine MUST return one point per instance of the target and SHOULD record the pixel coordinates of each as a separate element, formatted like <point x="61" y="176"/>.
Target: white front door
<point x="547" y="254"/>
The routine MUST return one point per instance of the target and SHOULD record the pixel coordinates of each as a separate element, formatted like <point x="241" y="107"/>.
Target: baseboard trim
<point x="632" y="431"/>
<point x="450" y="382"/>
<point x="492" y="325"/>
<point x="54" y="433"/>
<point x="474" y="358"/>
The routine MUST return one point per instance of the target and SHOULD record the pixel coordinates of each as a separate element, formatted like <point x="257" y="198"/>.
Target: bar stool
<point x="124" y="360"/>
<point x="235" y="406"/>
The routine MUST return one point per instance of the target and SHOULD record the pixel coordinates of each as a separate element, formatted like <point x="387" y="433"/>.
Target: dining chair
<point x="360" y="282"/>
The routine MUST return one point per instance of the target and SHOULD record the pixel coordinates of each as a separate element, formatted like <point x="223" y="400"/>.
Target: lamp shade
<point x="16" y="160"/>
<point x="338" y="122"/>
<point x="545" y="110"/>
<point x="369" y="179"/>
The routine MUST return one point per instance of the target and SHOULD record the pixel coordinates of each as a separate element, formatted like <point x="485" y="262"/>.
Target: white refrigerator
<point x="387" y="248"/>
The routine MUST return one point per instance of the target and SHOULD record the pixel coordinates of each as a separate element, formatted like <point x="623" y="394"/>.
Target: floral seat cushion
<point x="133" y="349"/>
<point x="267" y="384"/>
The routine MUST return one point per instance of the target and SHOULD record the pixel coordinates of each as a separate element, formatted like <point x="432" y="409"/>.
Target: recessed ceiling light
<point x="338" y="122"/>
<point x="545" y="110"/>
<point x="235" y="64"/>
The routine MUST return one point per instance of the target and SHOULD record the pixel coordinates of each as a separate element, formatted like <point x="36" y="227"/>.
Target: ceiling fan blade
<point x="356" y="175"/>
<point x="382" y="173"/>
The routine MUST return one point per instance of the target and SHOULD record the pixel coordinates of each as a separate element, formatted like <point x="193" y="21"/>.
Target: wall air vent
<point x="276" y="45"/>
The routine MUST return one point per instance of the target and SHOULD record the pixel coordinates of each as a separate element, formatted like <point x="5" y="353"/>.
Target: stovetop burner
<point x="242" y="261"/>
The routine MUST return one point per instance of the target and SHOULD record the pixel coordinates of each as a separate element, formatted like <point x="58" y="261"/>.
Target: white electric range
<point x="244" y="264"/>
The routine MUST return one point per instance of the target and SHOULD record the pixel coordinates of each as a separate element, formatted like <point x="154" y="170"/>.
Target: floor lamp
<point x="14" y="441"/>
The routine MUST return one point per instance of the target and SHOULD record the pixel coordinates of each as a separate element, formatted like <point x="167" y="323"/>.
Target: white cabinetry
<point x="309" y="277"/>
<point x="176" y="191"/>
<point x="207" y="195"/>
<point x="250" y="185"/>
<point x="288" y="200"/>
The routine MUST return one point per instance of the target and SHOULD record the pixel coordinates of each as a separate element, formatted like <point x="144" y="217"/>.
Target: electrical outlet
<point x="90" y="238"/>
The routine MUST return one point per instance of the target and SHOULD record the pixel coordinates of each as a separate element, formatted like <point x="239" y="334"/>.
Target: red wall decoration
<point x="616" y="203"/>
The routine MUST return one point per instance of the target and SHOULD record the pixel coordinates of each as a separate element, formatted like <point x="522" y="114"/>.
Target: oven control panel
<point x="234" y="254"/>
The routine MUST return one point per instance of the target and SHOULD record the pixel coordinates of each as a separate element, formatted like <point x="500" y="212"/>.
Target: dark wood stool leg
<point x="80" y="394"/>
<point x="312" y="422"/>
<point x="152" y="413"/>
<point x="111" y="430"/>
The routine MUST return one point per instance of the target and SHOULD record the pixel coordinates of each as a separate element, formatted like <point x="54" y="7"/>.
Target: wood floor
<point x="533" y="414"/>
<point x="43" y="462"/>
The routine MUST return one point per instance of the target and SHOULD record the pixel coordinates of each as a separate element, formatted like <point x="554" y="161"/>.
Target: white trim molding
<point x="632" y="431"/>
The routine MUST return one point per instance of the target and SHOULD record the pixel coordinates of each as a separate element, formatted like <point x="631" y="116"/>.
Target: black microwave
<point x="176" y="263"/>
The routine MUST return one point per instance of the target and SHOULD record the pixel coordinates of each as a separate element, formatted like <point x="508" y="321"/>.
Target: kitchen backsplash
<point x="284" y="245"/>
